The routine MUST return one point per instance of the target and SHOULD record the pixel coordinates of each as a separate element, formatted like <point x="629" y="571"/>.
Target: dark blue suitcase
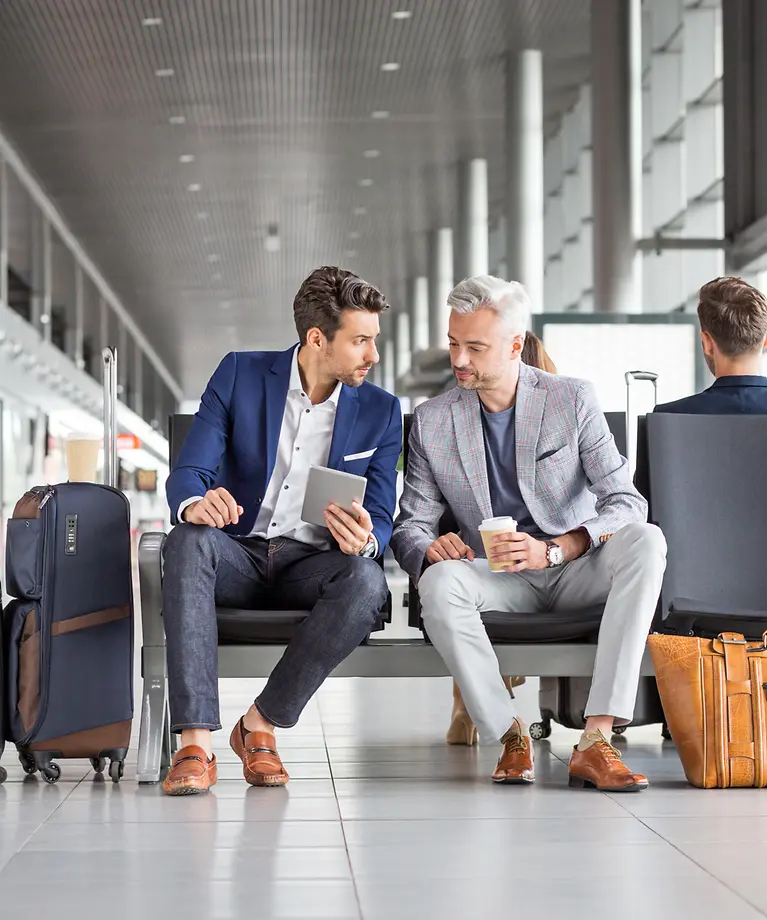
<point x="69" y="628"/>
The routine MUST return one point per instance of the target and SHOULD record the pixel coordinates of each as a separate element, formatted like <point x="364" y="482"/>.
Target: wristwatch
<point x="555" y="555"/>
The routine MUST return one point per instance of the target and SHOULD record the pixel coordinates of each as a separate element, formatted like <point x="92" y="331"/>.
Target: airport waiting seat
<point x="252" y="642"/>
<point x="706" y="479"/>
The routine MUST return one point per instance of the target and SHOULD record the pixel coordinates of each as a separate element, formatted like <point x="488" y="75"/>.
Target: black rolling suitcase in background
<point x="69" y="630"/>
<point x="563" y="699"/>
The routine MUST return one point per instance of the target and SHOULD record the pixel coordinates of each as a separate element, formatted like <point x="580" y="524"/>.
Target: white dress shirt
<point x="305" y="437"/>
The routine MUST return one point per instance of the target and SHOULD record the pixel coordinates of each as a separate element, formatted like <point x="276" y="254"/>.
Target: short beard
<point x="479" y="382"/>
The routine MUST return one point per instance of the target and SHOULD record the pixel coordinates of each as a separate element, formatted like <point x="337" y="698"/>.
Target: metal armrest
<point x="150" y="584"/>
<point x="155" y="746"/>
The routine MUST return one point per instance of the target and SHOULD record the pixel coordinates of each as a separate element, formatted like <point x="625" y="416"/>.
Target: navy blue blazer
<point x="233" y="439"/>
<point x="727" y="396"/>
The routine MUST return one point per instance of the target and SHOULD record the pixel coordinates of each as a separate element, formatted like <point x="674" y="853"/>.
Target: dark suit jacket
<point x="234" y="437"/>
<point x="727" y="396"/>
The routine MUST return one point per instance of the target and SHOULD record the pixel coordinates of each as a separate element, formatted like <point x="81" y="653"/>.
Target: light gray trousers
<point x="625" y="574"/>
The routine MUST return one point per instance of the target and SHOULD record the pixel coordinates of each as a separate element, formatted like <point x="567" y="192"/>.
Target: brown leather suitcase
<point x="714" y="695"/>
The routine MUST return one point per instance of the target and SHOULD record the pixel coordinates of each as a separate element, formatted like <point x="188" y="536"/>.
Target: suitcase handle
<point x="640" y="375"/>
<point x="109" y="368"/>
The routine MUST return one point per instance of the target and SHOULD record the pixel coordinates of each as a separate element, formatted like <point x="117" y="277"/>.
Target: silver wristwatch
<point x="555" y="555"/>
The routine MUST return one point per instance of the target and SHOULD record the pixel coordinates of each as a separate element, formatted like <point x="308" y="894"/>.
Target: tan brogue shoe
<point x="261" y="764"/>
<point x="515" y="765"/>
<point x="600" y="767"/>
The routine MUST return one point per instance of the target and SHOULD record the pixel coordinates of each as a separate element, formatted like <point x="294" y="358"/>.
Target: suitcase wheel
<point x="51" y="773"/>
<point x="620" y="729"/>
<point x="99" y="764"/>
<point x="3" y="775"/>
<point x="28" y="764"/>
<point x="540" y="730"/>
<point x="116" y="769"/>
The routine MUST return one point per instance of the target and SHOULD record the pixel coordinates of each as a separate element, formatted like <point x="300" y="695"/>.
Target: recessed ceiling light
<point x="151" y="21"/>
<point x="354" y="235"/>
<point x="186" y="158"/>
<point x="213" y="257"/>
<point x="402" y="14"/>
<point x="365" y="183"/>
<point x="177" y="119"/>
<point x="164" y="72"/>
<point x="371" y="154"/>
<point x="202" y="215"/>
<point x="379" y="114"/>
<point x="194" y="187"/>
<point x="390" y="67"/>
<point x="360" y="212"/>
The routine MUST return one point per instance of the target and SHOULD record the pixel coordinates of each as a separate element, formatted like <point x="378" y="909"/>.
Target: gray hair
<point x="508" y="299"/>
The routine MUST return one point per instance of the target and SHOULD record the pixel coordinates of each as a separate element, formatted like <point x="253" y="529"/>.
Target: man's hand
<point x="450" y="546"/>
<point x="351" y="532"/>
<point x="217" y="509"/>
<point x="520" y="551"/>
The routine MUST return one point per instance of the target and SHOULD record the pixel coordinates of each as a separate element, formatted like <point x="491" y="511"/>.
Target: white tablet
<point x="330" y="487"/>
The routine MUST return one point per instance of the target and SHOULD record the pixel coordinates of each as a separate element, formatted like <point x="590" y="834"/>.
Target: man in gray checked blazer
<point x="513" y="440"/>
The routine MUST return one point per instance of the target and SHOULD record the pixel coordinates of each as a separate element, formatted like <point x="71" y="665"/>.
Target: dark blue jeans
<point x="205" y="567"/>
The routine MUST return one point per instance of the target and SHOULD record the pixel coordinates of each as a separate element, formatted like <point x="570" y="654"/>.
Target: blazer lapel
<point x="527" y="428"/>
<point x="467" y="422"/>
<point x="346" y="416"/>
<point x="276" y="384"/>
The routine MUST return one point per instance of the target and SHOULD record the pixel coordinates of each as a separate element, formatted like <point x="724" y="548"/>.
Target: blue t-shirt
<point x="501" y="459"/>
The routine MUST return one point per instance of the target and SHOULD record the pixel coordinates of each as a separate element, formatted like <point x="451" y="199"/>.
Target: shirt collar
<point x="295" y="385"/>
<point x="741" y="381"/>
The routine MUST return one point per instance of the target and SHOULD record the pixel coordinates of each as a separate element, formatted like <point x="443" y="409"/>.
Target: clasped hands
<point x="351" y="531"/>
<point x="517" y="551"/>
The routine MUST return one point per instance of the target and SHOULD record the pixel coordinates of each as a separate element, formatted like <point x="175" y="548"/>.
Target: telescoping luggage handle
<point x="109" y="367"/>
<point x="632" y="377"/>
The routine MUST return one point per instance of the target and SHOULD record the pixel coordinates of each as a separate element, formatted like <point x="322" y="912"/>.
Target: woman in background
<point x="462" y="730"/>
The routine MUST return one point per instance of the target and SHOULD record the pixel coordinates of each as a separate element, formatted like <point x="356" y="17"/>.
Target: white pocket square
<point x="361" y="456"/>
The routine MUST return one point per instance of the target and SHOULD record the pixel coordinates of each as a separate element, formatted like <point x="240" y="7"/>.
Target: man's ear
<point x="314" y="338"/>
<point x="517" y="344"/>
<point x="707" y="341"/>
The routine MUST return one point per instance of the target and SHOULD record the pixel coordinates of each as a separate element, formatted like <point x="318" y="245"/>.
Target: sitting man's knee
<point x="186" y="539"/>
<point x="440" y="582"/>
<point x="646" y="539"/>
<point x="367" y="577"/>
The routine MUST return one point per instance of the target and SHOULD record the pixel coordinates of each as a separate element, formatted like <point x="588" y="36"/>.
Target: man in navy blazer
<point x="236" y="495"/>
<point x="733" y="323"/>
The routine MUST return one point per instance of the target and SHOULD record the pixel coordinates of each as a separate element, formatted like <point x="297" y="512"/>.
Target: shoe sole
<point x="514" y="781"/>
<point x="575" y="782"/>
<point x="186" y="790"/>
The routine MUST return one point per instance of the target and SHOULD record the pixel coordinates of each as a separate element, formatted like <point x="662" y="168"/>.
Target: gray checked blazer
<point x="569" y="470"/>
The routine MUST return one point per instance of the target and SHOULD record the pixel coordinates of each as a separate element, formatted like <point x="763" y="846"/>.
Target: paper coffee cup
<point x="492" y="527"/>
<point x="82" y="452"/>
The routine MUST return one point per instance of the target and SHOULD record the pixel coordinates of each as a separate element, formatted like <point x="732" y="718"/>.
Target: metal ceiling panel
<point x="276" y="98"/>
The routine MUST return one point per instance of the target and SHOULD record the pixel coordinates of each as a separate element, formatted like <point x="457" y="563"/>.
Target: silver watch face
<point x="556" y="554"/>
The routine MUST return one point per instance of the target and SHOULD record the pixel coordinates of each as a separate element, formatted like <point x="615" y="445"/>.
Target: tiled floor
<point x="382" y="820"/>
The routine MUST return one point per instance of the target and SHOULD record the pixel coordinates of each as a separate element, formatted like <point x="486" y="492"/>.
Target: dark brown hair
<point x="535" y="355"/>
<point x="734" y="314"/>
<point x="325" y="294"/>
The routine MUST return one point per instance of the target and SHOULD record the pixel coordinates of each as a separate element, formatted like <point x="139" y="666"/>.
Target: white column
<point x="403" y="358"/>
<point x="419" y="314"/>
<point x="79" y="316"/>
<point x="472" y="254"/>
<point x="616" y="114"/>
<point x="524" y="172"/>
<point x="441" y="283"/>
<point x="3" y="237"/>
<point x="388" y="366"/>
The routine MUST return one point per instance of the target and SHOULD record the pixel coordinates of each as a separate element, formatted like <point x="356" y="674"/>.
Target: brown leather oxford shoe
<point x="600" y="767"/>
<point x="515" y="765"/>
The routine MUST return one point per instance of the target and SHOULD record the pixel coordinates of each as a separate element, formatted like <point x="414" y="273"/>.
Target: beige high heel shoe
<point x="462" y="730"/>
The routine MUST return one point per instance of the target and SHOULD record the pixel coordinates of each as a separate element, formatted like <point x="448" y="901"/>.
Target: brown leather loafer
<point x="600" y="767"/>
<point x="515" y="765"/>
<point x="261" y="764"/>
<point x="191" y="772"/>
